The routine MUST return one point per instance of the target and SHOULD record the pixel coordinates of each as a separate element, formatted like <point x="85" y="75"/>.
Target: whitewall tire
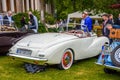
<point x="67" y="60"/>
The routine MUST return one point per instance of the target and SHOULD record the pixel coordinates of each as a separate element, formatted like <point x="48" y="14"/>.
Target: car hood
<point x="44" y="40"/>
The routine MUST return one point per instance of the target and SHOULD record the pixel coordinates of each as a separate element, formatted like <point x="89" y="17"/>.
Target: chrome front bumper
<point x="32" y="60"/>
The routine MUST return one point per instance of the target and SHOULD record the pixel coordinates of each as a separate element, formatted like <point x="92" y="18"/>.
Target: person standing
<point x="105" y="30"/>
<point x="1" y="20"/>
<point x="33" y="23"/>
<point x="82" y="22"/>
<point x="23" y="23"/>
<point x="86" y="21"/>
<point x="60" y="25"/>
<point x="111" y="18"/>
<point x="117" y="22"/>
<point x="107" y="25"/>
<point x="8" y="19"/>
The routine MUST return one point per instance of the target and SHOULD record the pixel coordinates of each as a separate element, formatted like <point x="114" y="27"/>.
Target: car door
<point x="83" y="48"/>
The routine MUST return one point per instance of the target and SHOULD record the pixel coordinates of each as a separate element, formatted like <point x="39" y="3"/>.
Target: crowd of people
<point x="108" y="23"/>
<point x="32" y="24"/>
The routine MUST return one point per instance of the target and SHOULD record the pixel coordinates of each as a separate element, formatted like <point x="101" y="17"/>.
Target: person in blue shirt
<point x="87" y="21"/>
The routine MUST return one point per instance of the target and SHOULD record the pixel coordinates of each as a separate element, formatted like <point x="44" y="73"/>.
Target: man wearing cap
<point x="87" y="21"/>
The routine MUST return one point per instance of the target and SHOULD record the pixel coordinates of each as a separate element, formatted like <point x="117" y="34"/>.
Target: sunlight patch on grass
<point x="1" y="68"/>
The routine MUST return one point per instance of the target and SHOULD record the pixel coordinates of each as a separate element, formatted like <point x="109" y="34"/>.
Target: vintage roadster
<point x="57" y="48"/>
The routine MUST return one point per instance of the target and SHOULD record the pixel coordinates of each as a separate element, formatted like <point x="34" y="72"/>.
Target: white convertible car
<point x="57" y="48"/>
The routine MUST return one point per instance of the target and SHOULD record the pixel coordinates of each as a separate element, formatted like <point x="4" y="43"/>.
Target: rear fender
<point x="97" y="44"/>
<point x="100" y="41"/>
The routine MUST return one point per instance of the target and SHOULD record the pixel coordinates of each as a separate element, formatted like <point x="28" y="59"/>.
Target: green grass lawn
<point x="81" y="70"/>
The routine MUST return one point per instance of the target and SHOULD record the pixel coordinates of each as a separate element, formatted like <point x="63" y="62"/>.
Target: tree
<point x="64" y="7"/>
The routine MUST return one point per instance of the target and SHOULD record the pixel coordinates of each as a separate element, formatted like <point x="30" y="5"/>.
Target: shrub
<point x="42" y="28"/>
<point x="49" y="19"/>
<point x="18" y="17"/>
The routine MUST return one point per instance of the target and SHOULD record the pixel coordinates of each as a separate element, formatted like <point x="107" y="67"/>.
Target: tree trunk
<point x="42" y="3"/>
<point x="18" y="5"/>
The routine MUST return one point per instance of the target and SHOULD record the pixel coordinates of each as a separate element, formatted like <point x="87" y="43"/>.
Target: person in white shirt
<point x="82" y="22"/>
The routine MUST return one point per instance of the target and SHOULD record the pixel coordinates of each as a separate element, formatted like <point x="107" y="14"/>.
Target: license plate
<point x="24" y="52"/>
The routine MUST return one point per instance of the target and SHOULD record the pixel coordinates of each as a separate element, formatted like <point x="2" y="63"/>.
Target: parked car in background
<point x="110" y="57"/>
<point x="10" y="35"/>
<point x="57" y="48"/>
<point x="110" y="53"/>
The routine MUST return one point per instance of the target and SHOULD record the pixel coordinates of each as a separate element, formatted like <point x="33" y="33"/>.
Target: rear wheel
<point x="67" y="60"/>
<point x="115" y="56"/>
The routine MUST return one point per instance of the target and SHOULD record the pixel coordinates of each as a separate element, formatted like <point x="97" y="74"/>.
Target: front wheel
<point x="67" y="60"/>
<point x="115" y="56"/>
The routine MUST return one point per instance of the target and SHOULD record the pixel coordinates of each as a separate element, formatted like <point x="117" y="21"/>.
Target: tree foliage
<point x="65" y="7"/>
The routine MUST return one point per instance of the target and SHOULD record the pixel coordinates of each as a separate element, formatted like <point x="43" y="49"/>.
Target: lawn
<point x="81" y="70"/>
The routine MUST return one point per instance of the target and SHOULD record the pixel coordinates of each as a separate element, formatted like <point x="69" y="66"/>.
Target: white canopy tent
<point x="73" y="15"/>
<point x="79" y="15"/>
